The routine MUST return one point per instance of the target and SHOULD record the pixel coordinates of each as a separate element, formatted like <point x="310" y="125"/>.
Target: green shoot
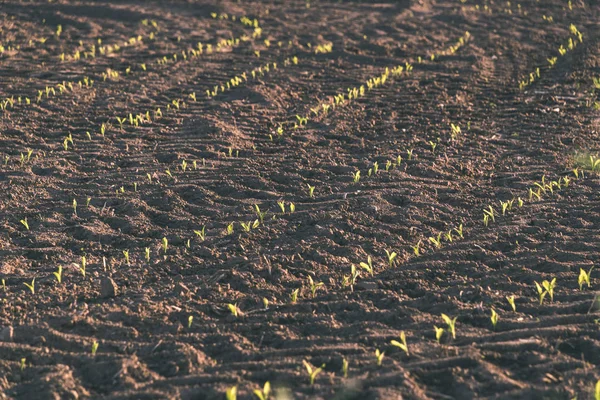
<point x="25" y="223"/>
<point x="259" y="214"/>
<point x="314" y="286"/>
<point x="541" y="292"/>
<point x="511" y="301"/>
<point x="292" y="208"/>
<point x="266" y="303"/>
<point x="459" y="231"/>
<point x="391" y="257"/>
<point x="311" y="191"/>
<point x="451" y="322"/>
<point x="351" y="280"/>
<point x="233" y="309"/>
<point x="23" y="361"/>
<point x="58" y="274"/>
<point x="438" y="333"/>
<point x="201" y="233"/>
<point x="147" y="254"/>
<point x="94" y="347"/>
<point x="231" y="393"/>
<point x="417" y="249"/>
<point x="264" y="393"/>
<point x="437" y="241"/>
<point x="356" y="176"/>
<point x="402" y="343"/>
<point x="126" y="255"/>
<point x="433" y="146"/>
<point x="410" y="153"/>
<point x="584" y="277"/>
<point x="30" y="286"/>
<point x="294" y="296"/>
<point x="229" y="229"/>
<point x="190" y="320"/>
<point x="494" y="318"/>
<point x="368" y="266"/>
<point x="379" y="355"/>
<point x="345" y="368"/>
<point x="281" y="206"/>
<point x="491" y="213"/>
<point x="75" y="207"/>
<point x="597" y="391"/>
<point x="312" y="371"/>
<point x="549" y="286"/>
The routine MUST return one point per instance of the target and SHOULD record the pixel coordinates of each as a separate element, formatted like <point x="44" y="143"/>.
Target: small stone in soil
<point x="108" y="287"/>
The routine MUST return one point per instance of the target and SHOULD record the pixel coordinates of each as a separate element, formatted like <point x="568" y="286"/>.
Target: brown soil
<point x="136" y="185"/>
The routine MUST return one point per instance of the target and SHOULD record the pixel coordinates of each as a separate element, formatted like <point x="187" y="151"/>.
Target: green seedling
<point x="597" y="391"/>
<point x="83" y="265"/>
<point x="417" y="249"/>
<point x="233" y="309"/>
<point x="511" y="301"/>
<point x="451" y="323"/>
<point x="190" y="320"/>
<point x="402" y="343"/>
<point x="368" y="266"/>
<point x="314" y="286"/>
<point x="388" y="165"/>
<point x="549" y="287"/>
<point x="147" y="254"/>
<point x="94" y="348"/>
<point x="201" y="233"/>
<point x="437" y="241"/>
<point x="379" y="356"/>
<point x="494" y="318"/>
<point x="263" y="394"/>
<point x="356" y="177"/>
<point x="30" y="286"/>
<point x="266" y="303"/>
<point x="391" y="257"/>
<point x="25" y="223"/>
<point x="165" y="244"/>
<point x="281" y="205"/>
<point x="448" y="236"/>
<point x="312" y="371"/>
<point x="294" y="296"/>
<point x="491" y="213"/>
<point x="345" y="368"/>
<point x="292" y="208"/>
<point x="126" y="255"/>
<point x="433" y="145"/>
<point x="439" y="332"/>
<point x="351" y="279"/>
<point x="375" y="167"/>
<point x="4" y="285"/>
<point x="410" y="153"/>
<point x="455" y="131"/>
<point x="459" y="231"/>
<point x="261" y="215"/>
<point x="23" y="361"/>
<point x="231" y="393"/>
<point x="584" y="277"/>
<point x="541" y="292"/>
<point x="311" y="191"/>
<point x="229" y="229"/>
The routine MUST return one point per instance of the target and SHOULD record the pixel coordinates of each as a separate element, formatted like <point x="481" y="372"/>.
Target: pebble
<point x="108" y="287"/>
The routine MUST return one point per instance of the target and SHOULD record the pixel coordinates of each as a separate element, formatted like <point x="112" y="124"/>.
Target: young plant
<point x="459" y="231"/>
<point x="126" y="255"/>
<point x="402" y="343"/>
<point x="190" y="320"/>
<point x="541" y="292"/>
<point x="58" y="274"/>
<point x="231" y="393"/>
<point x="379" y="356"/>
<point x="314" y="286"/>
<point x="549" y="287"/>
<point x="201" y="233"/>
<point x="94" y="348"/>
<point x="281" y="205"/>
<point x="451" y="323"/>
<point x="23" y="361"/>
<point x="229" y="229"/>
<point x="368" y="266"/>
<point x="437" y="241"/>
<point x="494" y="318"/>
<point x="30" y="286"/>
<point x="25" y="223"/>
<point x="417" y="249"/>
<point x="345" y="368"/>
<point x="584" y="277"/>
<point x="438" y="333"/>
<point x="351" y="279"/>
<point x="356" y="176"/>
<point x="259" y="214"/>
<point x="263" y="394"/>
<point x="391" y="257"/>
<point x="312" y="371"/>
<point x="311" y="191"/>
<point x="294" y="296"/>
<point x="511" y="301"/>
<point x="233" y="309"/>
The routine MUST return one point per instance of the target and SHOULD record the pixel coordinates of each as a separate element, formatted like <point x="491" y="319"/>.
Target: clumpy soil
<point x="161" y="215"/>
